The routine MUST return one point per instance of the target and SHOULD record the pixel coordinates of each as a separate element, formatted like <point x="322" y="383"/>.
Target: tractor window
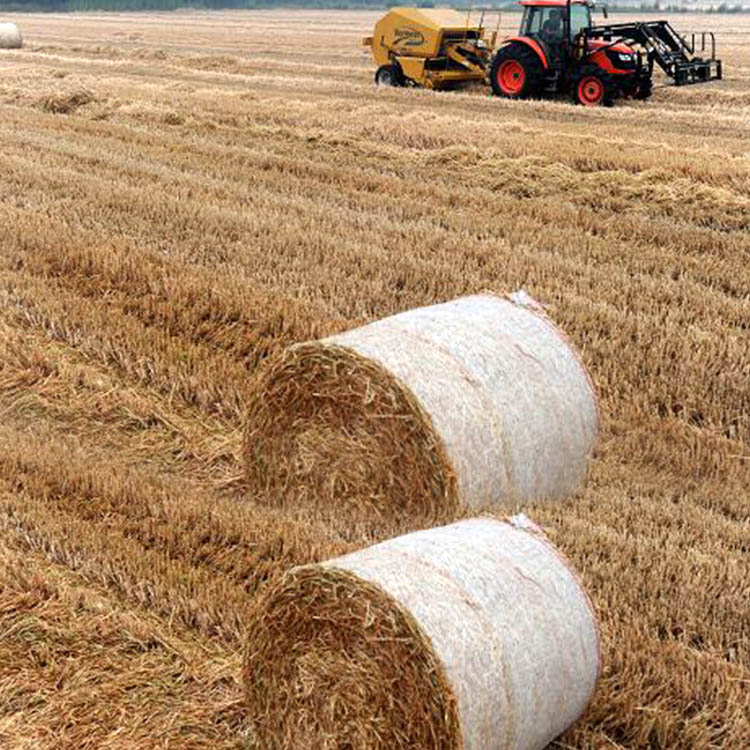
<point x="532" y="21"/>
<point x="544" y="21"/>
<point x="580" y="18"/>
<point x="547" y="21"/>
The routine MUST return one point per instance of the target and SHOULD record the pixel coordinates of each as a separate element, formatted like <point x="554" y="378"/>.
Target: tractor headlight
<point x="481" y="44"/>
<point x="622" y="60"/>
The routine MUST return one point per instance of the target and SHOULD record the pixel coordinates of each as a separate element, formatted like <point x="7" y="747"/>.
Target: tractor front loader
<point x="665" y="47"/>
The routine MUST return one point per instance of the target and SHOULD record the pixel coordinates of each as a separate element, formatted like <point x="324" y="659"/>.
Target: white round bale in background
<point x="10" y="36"/>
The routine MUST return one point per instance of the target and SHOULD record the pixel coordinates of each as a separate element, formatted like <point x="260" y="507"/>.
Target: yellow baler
<point x="430" y="47"/>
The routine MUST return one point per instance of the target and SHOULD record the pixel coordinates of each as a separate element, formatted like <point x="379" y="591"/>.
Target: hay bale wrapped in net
<point x="476" y="635"/>
<point x="472" y="403"/>
<point x="10" y="36"/>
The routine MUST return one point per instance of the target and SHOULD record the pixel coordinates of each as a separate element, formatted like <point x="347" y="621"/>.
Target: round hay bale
<point x="472" y="403"/>
<point x="10" y="36"/>
<point x="473" y="636"/>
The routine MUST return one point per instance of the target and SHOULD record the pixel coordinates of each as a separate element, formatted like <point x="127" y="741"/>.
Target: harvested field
<point x="185" y="195"/>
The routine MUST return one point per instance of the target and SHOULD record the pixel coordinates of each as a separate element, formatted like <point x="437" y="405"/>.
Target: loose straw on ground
<point x="476" y="635"/>
<point x="472" y="403"/>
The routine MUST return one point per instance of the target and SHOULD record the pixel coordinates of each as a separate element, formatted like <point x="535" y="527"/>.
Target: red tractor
<point x="558" y="49"/>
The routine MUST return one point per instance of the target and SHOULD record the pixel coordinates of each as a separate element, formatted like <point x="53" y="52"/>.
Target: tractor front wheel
<point x="516" y="72"/>
<point x="389" y="75"/>
<point x="592" y="87"/>
<point x="644" y="89"/>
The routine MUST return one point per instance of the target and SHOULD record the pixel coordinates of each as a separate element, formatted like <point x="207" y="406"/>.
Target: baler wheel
<point x="389" y="75"/>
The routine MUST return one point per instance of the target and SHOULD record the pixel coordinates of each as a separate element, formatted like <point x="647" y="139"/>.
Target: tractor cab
<point x="546" y="19"/>
<point x="558" y="26"/>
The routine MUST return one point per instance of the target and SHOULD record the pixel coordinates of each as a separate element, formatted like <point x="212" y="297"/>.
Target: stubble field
<point x="182" y="195"/>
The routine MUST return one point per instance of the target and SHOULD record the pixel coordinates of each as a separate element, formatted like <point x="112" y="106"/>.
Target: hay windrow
<point x="331" y="656"/>
<point x="334" y="430"/>
<point x="66" y="102"/>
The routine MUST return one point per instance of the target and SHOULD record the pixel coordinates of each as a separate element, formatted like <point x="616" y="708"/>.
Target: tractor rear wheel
<point x="389" y="75"/>
<point x="516" y="72"/>
<point x="592" y="87"/>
